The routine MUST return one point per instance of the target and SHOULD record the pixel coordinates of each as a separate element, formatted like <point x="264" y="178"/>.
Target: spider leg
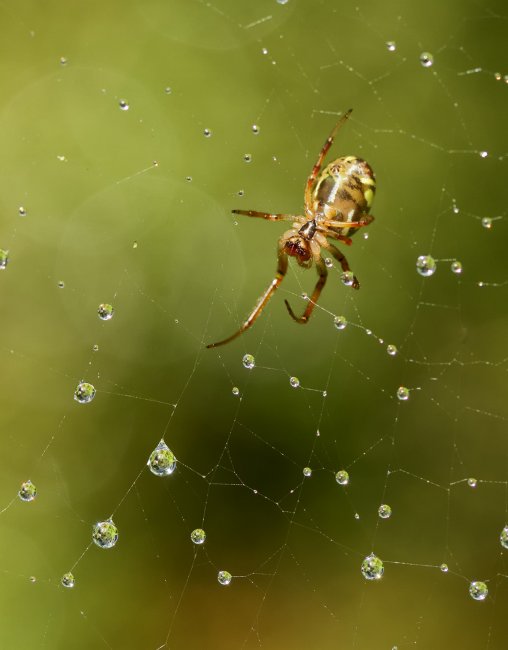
<point x="342" y="261"/>
<point x="267" y="215"/>
<point x="317" y="167"/>
<point x="323" y="274"/>
<point x="282" y="268"/>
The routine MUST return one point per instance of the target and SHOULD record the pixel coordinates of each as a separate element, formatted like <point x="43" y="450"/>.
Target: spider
<point x="336" y="205"/>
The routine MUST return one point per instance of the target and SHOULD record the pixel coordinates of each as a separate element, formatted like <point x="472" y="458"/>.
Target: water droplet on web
<point x="264" y="51"/>
<point x="503" y="537"/>
<point x="487" y="222"/>
<point x="224" y="578"/>
<point x="456" y="267"/>
<point x="61" y="284"/>
<point x="241" y="192"/>
<point x="294" y="381"/>
<point x="248" y="361"/>
<point x="304" y="296"/>
<point x="105" y="311"/>
<point x="32" y="579"/>
<point x="255" y="129"/>
<point x="391" y="46"/>
<point x="426" y="265"/>
<point x="325" y="393"/>
<point x="247" y="157"/>
<point x="235" y="390"/>
<point x="162" y="461"/>
<point x="403" y="393"/>
<point x="167" y="90"/>
<point x="282" y="2"/>
<point x="372" y="567"/>
<point x="95" y="348"/>
<point x="27" y="491"/>
<point x="357" y="516"/>
<point x="444" y="568"/>
<point x="342" y="477"/>
<point x="328" y="262"/>
<point x="198" y="536"/>
<point x="484" y="154"/>
<point x="505" y="78"/>
<point x="472" y="482"/>
<point x="426" y="59"/>
<point x="340" y="322"/>
<point x="307" y="472"/>
<point x="348" y="278"/>
<point x="207" y="133"/>
<point x="478" y="590"/>
<point x="134" y="244"/>
<point x="4" y="258"/>
<point x="188" y="179"/>
<point x="84" y="392"/>
<point x="105" y="534"/>
<point x="22" y="211"/>
<point x="68" y="580"/>
<point x="124" y="105"/>
<point x="384" y="511"/>
<point x="391" y="349"/>
<point x="455" y="209"/>
<point x="498" y="76"/>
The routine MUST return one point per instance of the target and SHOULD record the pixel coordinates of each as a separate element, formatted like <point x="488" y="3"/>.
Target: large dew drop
<point x="162" y="461"/>
<point x="105" y="311"/>
<point x="248" y="361"/>
<point x="478" y="590"/>
<point x="342" y="477"/>
<point x="84" y="392"/>
<point x="224" y="578"/>
<point x="372" y="567"/>
<point x="105" y="534"/>
<point x="68" y="580"/>
<point x="426" y="265"/>
<point x="27" y="491"/>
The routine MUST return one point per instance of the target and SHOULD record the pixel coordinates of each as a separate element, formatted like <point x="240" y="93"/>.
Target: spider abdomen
<point x="345" y="191"/>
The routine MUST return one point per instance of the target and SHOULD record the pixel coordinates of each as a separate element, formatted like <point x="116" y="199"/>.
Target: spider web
<point x="129" y="133"/>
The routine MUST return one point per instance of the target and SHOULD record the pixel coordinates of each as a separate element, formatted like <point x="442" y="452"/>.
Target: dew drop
<point x="124" y="105"/>
<point x="403" y="393"/>
<point x="67" y="580"/>
<point x="348" y="278"/>
<point x="134" y="244"/>
<point x="503" y="537"/>
<point x="22" y="211"/>
<point x="391" y="349"/>
<point x="105" y="311"/>
<point x="455" y="209"/>
<point x="357" y="516"/>
<point x="63" y="60"/>
<point x="478" y="590"/>
<point x="498" y="76"/>
<point x="325" y="393"/>
<point x="27" y="491"/>
<point x="247" y="157"/>
<point x="444" y="568"/>
<point x="340" y="322"/>
<point x="391" y="46"/>
<point x="328" y="262"/>
<point x="255" y="129"/>
<point x="426" y="59"/>
<point x="224" y="578"/>
<point x="456" y="267"/>
<point x="372" y="567"/>
<point x="426" y="265"/>
<point x="384" y="511"/>
<point x="484" y="154"/>
<point x="188" y="179"/>
<point x="162" y="461"/>
<point x="307" y="472"/>
<point x="4" y="258"/>
<point x="282" y="2"/>
<point x="32" y="579"/>
<point x="105" y="534"/>
<point x="294" y="382"/>
<point x="61" y="284"/>
<point x="235" y="390"/>
<point x="95" y="348"/>
<point x="241" y="192"/>
<point x="505" y="78"/>
<point x="84" y="392"/>
<point x="168" y="90"/>
<point x="248" y="361"/>
<point x="264" y="51"/>
<point x="472" y="482"/>
<point x="207" y="133"/>
<point x="198" y="536"/>
<point x="487" y="223"/>
<point x="342" y="477"/>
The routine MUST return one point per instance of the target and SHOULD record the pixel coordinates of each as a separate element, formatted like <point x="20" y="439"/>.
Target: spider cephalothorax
<point x="337" y="203"/>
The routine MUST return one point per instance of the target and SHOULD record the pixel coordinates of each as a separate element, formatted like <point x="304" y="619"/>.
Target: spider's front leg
<point x="323" y="274"/>
<point x="282" y="268"/>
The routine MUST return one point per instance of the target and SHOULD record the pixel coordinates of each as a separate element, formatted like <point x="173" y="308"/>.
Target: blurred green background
<point x="103" y="112"/>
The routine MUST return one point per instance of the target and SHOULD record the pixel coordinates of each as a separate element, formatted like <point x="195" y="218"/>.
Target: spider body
<point x="336" y="203"/>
